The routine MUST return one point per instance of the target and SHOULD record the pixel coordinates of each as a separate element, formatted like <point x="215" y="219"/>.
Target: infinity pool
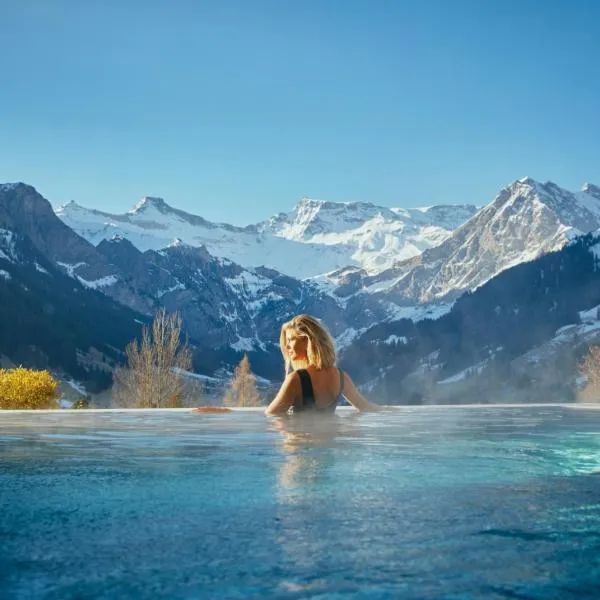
<point x="416" y="503"/>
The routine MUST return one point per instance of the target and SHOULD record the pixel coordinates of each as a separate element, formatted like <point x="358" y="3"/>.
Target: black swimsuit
<point x="307" y="401"/>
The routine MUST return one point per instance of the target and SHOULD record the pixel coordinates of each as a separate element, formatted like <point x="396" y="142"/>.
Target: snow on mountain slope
<point x="585" y="332"/>
<point x="26" y="212"/>
<point x="316" y="238"/>
<point x="7" y="246"/>
<point x="153" y="225"/>
<point x="524" y="221"/>
<point x="379" y="236"/>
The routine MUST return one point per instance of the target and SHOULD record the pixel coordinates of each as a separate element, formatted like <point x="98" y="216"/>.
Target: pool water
<point x="415" y="502"/>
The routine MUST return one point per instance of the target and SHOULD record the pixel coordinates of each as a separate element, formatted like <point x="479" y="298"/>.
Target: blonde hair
<point x="320" y="351"/>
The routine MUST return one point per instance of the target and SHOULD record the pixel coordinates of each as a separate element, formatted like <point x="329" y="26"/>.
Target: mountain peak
<point x="16" y="186"/>
<point x="307" y="200"/>
<point x="524" y="185"/>
<point x="68" y="206"/>
<point x="117" y="243"/>
<point x="148" y="203"/>
<point x="526" y="180"/>
<point x="532" y="183"/>
<point x="336" y="205"/>
<point x="20" y="199"/>
<point x="312" y="203"/>
<point x="591" y="189"/>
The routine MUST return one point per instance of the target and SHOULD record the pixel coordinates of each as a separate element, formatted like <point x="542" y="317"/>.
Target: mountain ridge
<point x="231" y="309"/>
<point x="524" y="221"/>
<point x="374" y="236"/>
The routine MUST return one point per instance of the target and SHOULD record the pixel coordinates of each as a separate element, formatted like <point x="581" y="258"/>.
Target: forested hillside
<point x="520" y="308"/>
<point x="49" y="320"/>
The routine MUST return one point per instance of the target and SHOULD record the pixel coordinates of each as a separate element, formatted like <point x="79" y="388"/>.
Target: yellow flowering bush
<point x="24" y="388"/>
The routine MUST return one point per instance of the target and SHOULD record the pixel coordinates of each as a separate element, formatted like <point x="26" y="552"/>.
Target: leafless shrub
<point x="154" y="375"/>
<point x="590" y="369"/>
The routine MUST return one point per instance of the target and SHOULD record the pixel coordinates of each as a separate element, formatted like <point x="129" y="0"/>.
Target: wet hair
<point x="320" y="350"/>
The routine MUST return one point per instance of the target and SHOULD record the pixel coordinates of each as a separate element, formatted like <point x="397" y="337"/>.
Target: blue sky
<point x="235" y="109"/>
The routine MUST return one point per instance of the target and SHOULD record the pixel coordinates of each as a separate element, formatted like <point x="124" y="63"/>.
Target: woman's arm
<point x="287" y="394"/>
<point x="356" y="398"/>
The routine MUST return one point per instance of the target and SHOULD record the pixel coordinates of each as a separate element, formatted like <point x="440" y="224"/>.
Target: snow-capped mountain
<point x="224" y="306"/>
<point x="378" y="236"/>
<point x="320" y="221"/>
<point x="526" y="219"/>
<point x="315" y="238"/>
<point x="229" y="308"/>
<point x="24" y="211"/>
<point x="518" y="337"/>
<point x="51" y="319"/>
<point x="221" y="303"/>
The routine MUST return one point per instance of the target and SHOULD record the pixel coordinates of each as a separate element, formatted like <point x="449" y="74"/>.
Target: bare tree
<point x="590" y="369"/>
<point x="242" y="390"/>
<point x="154" y="376"/>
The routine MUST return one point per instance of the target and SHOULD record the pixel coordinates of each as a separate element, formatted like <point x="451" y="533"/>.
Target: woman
<point x="315" y="383"/>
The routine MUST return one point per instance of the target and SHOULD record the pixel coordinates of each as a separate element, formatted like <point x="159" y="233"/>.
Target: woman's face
<point x="296" y="346"/>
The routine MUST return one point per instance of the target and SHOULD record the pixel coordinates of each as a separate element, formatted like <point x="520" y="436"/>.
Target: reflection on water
<point x="417" y="502"/>
<point x="306" y="444"/>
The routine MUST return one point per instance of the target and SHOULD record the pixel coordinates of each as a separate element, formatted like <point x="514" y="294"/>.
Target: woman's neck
<point x="300" y="364"/>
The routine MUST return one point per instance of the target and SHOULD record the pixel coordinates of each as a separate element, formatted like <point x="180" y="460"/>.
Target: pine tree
<point x="242" y="390"/>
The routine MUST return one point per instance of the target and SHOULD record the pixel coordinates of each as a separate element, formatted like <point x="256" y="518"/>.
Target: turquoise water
<point x="412" y="503"/>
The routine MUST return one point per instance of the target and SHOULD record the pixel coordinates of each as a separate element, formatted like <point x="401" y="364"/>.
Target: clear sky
<point x="234" y="109"/>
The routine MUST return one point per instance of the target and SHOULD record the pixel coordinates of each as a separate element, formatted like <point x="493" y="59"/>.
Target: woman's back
<point x="319" y="389"/>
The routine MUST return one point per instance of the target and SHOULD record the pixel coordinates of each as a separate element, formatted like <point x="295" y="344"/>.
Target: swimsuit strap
<point x="308" y="395"/>
<point x="341" y="383"/>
